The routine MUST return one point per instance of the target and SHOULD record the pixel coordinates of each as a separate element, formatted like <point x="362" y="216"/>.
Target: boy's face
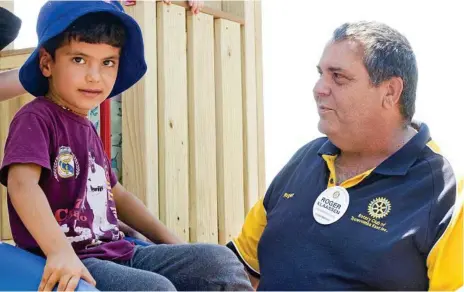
<point x="82" y="74"/>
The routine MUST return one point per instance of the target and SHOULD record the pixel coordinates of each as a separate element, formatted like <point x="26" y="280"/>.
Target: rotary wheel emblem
<point x="379" y="208"/>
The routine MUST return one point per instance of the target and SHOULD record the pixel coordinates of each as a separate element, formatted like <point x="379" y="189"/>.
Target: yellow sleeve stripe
<point x="247" y="261"/>
<point x="445" y="260"/>
<point x="434" y="147"/>
<point x="246" y="243"/>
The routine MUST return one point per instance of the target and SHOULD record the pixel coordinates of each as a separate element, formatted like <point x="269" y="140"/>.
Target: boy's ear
<point x="45" y="62"/>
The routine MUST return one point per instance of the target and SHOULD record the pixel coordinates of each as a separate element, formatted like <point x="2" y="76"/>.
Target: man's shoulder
<point x="436" y="162"/>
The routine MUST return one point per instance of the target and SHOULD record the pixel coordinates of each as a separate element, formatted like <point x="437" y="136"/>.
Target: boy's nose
<point x="93" y="75"/>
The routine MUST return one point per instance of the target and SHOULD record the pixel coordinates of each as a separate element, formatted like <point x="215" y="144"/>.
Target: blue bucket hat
<point x="56" y="16"/>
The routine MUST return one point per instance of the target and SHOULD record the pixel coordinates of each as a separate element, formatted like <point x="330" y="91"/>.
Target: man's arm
<point x="10" y="85"/>
<point x="254" y="281"/>
<point x="245" y="245"/>
<point x="134" y="213"/>
<point x="31" y="204"/>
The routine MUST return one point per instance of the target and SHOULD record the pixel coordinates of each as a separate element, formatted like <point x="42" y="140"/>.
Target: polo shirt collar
<point x="400" y="162"/>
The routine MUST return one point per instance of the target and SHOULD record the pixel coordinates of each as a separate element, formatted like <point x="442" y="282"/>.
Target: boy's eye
<point x="108" y="63"/>
<point x="78" y="60"/>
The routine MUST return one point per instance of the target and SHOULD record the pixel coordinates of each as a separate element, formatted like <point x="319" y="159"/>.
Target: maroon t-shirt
<point x="76" y="178"/>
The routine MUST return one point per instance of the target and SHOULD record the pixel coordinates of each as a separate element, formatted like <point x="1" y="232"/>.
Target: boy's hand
<point x="66" y="269"/>
<point x="196" y="5"/>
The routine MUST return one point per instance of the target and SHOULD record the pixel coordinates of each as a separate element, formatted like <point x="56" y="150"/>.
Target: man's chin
<point x="323" y="127"/>
<point x="326" y="128"/>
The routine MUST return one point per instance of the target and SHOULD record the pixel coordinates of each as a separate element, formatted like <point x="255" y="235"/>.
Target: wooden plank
<point x="139" y="118"/>
<point x="202" y="128"/>
<point x="217" y="13"/>
<point x="235" y="7"/>
<point x="216" y="5"/>
<point x="229" y="129"/>
<point x="173" y="119"/>
<point x="246" y="9"/>
<point x="10" y="52"/>
<point x="7" y="111"/>
<point x="12" y="61"/>
<point x="260" y="98"/>
<point x="250" y="114"/>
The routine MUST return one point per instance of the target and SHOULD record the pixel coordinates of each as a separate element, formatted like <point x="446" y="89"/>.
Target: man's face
<point x="347" y="101"/>
<point x="83" y="74"/>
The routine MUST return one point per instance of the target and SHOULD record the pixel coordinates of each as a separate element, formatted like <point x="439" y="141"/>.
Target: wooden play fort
<point x="188" y="138"/>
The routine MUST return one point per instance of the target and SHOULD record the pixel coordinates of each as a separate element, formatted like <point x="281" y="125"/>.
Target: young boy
<point x="64" y="200"/>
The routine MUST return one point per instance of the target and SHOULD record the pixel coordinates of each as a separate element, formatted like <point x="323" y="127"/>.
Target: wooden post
<point x="140" y="119"/>
<point x="173" y="119"/>
<point x="259" y="98"/>
<point x="246" y="9"/>
<point x="202" y="129"/>
<point x="231" y="212"/>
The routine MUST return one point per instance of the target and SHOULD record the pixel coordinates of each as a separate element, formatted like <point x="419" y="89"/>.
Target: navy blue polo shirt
<point x="401" y="230"/>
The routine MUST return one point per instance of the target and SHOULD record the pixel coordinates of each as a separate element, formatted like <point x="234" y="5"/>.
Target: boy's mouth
<point x="91" y="92"/>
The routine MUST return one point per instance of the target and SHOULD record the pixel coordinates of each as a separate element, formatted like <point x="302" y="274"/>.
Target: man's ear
<point x="45" y="62"/>
<point x="394" y="89"/>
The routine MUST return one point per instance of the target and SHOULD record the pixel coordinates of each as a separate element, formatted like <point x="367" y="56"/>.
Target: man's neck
<point x="375" y="149"/>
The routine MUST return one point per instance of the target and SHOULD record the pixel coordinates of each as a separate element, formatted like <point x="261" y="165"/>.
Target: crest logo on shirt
<point x="379" y="208"/>
<point x="66" y="164"/>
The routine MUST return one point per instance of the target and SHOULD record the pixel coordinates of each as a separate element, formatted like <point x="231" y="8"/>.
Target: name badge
<point x="331" y="205"/>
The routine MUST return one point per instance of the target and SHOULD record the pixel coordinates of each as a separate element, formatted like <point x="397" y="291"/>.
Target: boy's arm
<point x="10" y="85"/>
<point x="134" y="213"/>
<point x="128" y="231"/>
<point x="31" y="204"/>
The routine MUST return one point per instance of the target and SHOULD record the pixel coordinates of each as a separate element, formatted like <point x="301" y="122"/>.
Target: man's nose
<point x="321" y="88"/>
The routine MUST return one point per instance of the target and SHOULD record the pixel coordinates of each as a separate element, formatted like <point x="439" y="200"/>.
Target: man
<point x="371" y="206"/>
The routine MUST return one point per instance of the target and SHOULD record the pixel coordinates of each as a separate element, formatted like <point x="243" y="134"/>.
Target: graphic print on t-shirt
<point x="93" y="218"/>
<point x="97" y="197"/>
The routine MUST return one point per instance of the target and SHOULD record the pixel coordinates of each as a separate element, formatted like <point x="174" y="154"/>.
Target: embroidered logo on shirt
<point x="66" y="164"/>
<point x="288" y="196"/>
<point x="379" y="208"/>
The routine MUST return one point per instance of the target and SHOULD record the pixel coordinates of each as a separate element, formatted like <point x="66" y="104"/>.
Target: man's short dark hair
<point x="93" y="28"/>
<point x="387" y="54"/>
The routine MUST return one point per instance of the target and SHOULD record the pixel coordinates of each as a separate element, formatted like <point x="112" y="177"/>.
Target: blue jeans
<point x="186" y="267"/>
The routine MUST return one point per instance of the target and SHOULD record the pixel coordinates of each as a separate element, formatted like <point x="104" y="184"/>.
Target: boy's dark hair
<point x="92" y="28"/>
